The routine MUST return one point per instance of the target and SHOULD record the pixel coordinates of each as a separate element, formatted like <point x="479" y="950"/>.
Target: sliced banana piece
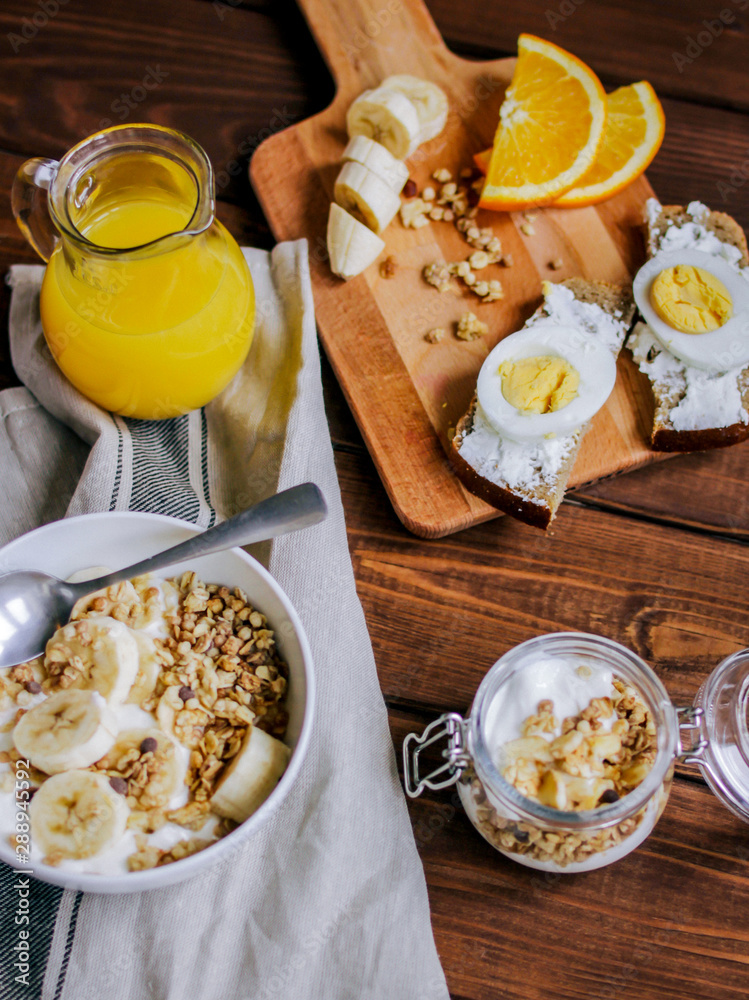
<point x="366" y="196"/>
<point x="351" y="246"/>
<point x="149" y="667"/>
<point x="429" y="100"/>
<point x="95" y="653"/>
<point x="165" y="765"/>
<point x="251" y="776"/>
<point x="387" y="116"/>
<point x="77" y="815"/>
<point x="379" y="160"/>
<point x="69" y="729"/>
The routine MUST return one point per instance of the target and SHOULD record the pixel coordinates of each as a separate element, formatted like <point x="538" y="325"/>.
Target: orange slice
<point x="550" y="127"/>
<point x="482" y="159"/>
<point x="635" y="124"/>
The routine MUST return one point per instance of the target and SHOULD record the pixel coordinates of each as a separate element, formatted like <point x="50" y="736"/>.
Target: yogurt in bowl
<point x="204" y="736"/>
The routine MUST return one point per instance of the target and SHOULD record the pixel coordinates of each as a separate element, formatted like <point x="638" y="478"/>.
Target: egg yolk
<point x="691" y="299"/>
<point x="539" y="385"/>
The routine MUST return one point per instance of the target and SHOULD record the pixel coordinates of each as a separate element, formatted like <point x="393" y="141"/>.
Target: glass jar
<point x="525" y="825"/>
<point x="147" y="302"/>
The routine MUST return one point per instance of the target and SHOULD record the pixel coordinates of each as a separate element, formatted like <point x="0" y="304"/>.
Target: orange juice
<point x="144" y="317"/>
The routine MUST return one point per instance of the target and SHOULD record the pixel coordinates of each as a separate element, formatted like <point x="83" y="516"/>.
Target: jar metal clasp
<point x="691" y="720"/>
<point x="449" y="727"/>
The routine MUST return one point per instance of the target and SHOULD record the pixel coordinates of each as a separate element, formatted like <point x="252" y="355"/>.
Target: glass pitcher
<point x="147" y="303"/>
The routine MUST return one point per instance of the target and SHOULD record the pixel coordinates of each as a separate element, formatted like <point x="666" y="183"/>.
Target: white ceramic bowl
<point x="120" y="539"/>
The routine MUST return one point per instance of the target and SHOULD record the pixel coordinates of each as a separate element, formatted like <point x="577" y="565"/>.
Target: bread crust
<point x="535" y="514"/>
<point x="667" y="439"/>
<point x="663" y="437"/>
<point x="720" y="224"/>
<point x="611" y="298"/>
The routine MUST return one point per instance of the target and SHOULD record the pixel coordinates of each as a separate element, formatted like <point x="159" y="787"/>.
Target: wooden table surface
<point x="656" y="559"/>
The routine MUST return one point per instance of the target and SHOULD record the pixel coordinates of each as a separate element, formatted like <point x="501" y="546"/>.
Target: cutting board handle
<point x="363" y="41"/>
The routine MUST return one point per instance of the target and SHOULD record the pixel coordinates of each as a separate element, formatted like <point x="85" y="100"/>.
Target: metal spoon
<point x="33" y="605"/>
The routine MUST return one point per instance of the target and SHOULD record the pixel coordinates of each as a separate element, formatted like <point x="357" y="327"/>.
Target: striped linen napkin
<point x="328" y="899"/>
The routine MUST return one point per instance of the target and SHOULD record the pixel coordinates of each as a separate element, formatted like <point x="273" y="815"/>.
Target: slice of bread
<point x="694" y="410"/>
<point x="528" y="480"/>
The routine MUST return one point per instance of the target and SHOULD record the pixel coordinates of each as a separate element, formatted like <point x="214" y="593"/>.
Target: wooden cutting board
<point x="405" y="393"/>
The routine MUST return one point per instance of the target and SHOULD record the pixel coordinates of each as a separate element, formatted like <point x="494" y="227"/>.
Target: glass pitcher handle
<point x="29" y="201"/>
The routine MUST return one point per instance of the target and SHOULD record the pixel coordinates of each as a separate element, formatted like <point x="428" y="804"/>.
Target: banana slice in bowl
<point x="98" y="653"/>
<point x="149" y="666"/>
<point x="69" y="729"/>
<point x="251" y="776"/>
<point x="77" y="815"/>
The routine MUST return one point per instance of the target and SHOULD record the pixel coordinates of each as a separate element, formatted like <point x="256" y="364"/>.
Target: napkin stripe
<point x="164" y="479"/>
<point x="43" y="904"/>
<point x="68" y="944"/>
<point x="118" y="468"/>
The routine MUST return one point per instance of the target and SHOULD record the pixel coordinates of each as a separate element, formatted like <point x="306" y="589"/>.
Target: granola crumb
<point x="428" y="194"/>
<point x="479" y="260"/>
<point x="527" y="229"/>
<point x="435" y="336"/>
<point x="438" y="275"/>
<point x="413" y="213"/>
<point x="442" y="175"/>
<point x="387" y="267"/>
<point x="470" y="327"/>
<point x="556" y="264"/>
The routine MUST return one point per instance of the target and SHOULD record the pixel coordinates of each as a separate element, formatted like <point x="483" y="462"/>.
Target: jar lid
<point x="724" y="758"/>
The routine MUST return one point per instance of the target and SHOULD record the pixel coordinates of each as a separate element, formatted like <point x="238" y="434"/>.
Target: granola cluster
<point x="136" y="603"/>
<point x="456" y="201"/>
<point x="143" y="770"/>
<point x="216" y="674"/>
<point x="599" y="756"/>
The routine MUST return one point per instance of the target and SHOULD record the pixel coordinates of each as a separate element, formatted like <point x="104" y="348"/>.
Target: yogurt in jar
<point x="572" y="736"/>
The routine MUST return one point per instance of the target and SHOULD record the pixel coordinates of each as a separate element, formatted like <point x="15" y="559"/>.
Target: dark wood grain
<point x="622" y="40"/>
<point x="441" y="612"/>
<point x="624" y="931"/>
<point x="229" y="77"/>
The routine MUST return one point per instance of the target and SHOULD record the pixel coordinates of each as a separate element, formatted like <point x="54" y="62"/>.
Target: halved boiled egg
<point x="544" y="381"/>
<point x="697" y="305"/>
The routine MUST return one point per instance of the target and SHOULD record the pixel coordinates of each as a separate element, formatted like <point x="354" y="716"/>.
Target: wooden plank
<point x="668" y="920"/>
<point x="405" y="394"/>
<point x="705" y="491"/>
<point x="227" y="77"/>
<point x="621" y="41"/>
<point x="441" y="612"/>
<point x="704" y="157"/>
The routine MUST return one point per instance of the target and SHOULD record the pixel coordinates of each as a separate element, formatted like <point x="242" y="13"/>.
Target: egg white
<point x="717" y="350"/>
<point x="591" y="358"/>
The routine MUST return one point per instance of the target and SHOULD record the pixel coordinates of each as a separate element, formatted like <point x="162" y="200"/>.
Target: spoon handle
<point x="298" y="507"/>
